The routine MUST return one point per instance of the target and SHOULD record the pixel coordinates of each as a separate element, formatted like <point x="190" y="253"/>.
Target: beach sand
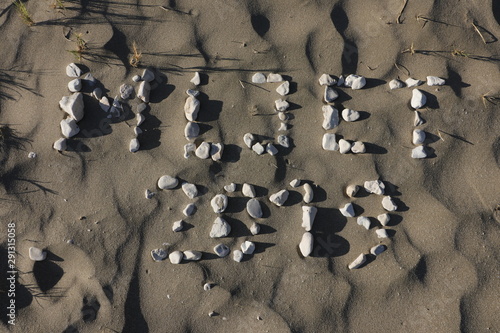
<point x="86" y="206"/>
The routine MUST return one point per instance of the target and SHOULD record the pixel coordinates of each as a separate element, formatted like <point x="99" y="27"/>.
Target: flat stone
<point x="203" y="150"/>
<point x="167" y="182"/>
<point x="374" y="186"/>
<point x="73" y="106"/>
<point x="221" y="250"/>
<point x="75" y="85"/>
<point x="272" y="78"/>
<point x="329" y="142"/>
<point x="358" y="262"/>
<point x="259" y="78"/>
<point x="196" y="80"/>
<point x="230" y="188"/>
<point x="384" y="219"/>
<point x="144" y="91"/>
<point x="136" y="78"/>
<point x="283" y="141"/>
<point x="148" y="75"/>
<point x="330" y="117"/>
<point x="254" y="209"/>
<point x="255" y="228"/>
<point x="220" y="228"/>
<point x="97" y="93"/>
<point x="134" y="145"/>
<point x="396" y="84"/>
<point x="348" y="210"/>
<point x="104" y="104"/>
<point x="191" y="131"/>
<point x="378" y="249"/>
<point x="126" y="91"/>
<point x="341" y="81"/>
<point x="326" y="80"/>
<point x="352" y="190"/>
<point x="178" y="226"/>
<point x="237" y="255"/>
<point x="248" y="190"/>
<point x="410" y="82"/>
<point x="216" y="151"/>
<point x="37" y="254"/>
<point x="282" y="116"/>
<point x="330" y="95"/>
<point x="418" y="137"/>
<point x="72" y="70"/>
<point x="418" y="119"/>
<point x="137" y="131"/>
<point x="419" y="152"/>
<point x="188" y="149"/>
<point x="159" y="255"/>
<point x="358" y="147"/>
<point x="271" y="149"/>
<point x="175" y="257"/>
<point x="219" y="203"/>
<point x="258" y="148"/>
<point x="283" y="127"/>
<point x="308" y="193"/>
<point x="284" y="88"/>
<point x="189" y="209"/>
<point x="281" y="105"/>
<point x="308" y="216"/>
<point x="248" y="247"/>
<point x="355" y="81"/>
<point x="140" y="118"/>
<point x="295" y="183"/>
<point x="89" y="80"/>
<point x="248" y="139"/>
<point x="306" y="244"/>
<point x="350" y="115"/>
<point x="435" y="81"/>
<point x="388" y="204"/>
<point x="69" y="128"/>
<point x="418" y="99"/>
<point x="279" y="198"/>
<point x="364" y="221"/>
<point x="381" y="233"/>
<point x="189" y="190"/>
<point x="192" y="93"/>
<point x="191" y="255"/>
<point x="344" y="146"/>
<point x="60" y="144"/>
<point x="116" y="107"/>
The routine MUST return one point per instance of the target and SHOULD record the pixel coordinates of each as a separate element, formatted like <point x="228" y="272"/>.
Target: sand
<point x="440" y="271"/>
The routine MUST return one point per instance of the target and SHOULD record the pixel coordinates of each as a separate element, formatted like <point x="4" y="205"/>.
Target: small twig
<point x="439" y="133"/>
<point x="479" y="32"/>
<point x="241" y="84"/>
<point x="252" y="84"/>
<point x="398" y="20"/>
<point x="167" y="9"/>
<point x="397" y="66"/>
<point x="411" y="50"/>
<point x="274" y="165"/>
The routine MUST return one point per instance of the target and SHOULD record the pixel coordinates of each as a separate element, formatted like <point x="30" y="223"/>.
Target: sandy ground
<point x="440" y="272"/>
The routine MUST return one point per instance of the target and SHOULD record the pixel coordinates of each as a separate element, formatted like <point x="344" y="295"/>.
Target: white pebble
<point x="418" y="152"/>
<point x="283" y="127"/>
<point x="140" y="119"/>
<point x="36" y="254"/>
<point x="360" y="260"/>
<point x="271" y="149"/>
<point x="350" y="115"/>
<point x="73" y="105"/>
<point x="192" y="92"/>
<point x="410" y="83"/>
<point x="237" y="255"/>
<point x="255" y="228"/>
<point x="418" y="99"/>
<point x="148" y="75"/>
<point x="330" y="117"/>
<point x="219" y="203"/>
<point x="191" y="108"/>
<point x="258" y="148"/>
<point x="190" y="190"/>
<point x="189" y="209"/>
<point x="137" y="131"/>
<point x="175" y="257"/>
<point x="136" y="78"/>
<point x="207" y="286"/>
<point x="216" y="151"/>
<point x="281" y="105"/>
<point x="388" y="204"/>
<point x="341" y="81"/>
<point x="418" y="136"/>
<point x="144" y="91"/>
<point x="330" y="95"/>
<point x="283" y="88"/>
<point x="384" y="219"/>
<point x="418" y="120"/>
<point x="203" y="151"/>
<point x="283" y="141"/>
<point x="329" y="142"/>
<point x="248" y="190"/>
<point x="306" y="244"/>
<point x="196" y="80"/>
<point x="279" y="198"/>
<point x="254" y="209"/>
<point x="378" y="249"/>
<point x="75" y="85"/>
<point x="396" y="84"/>
<point x="374" y="186"/>
<point x="220" y="228"/>
<point x="230" y="188"/>
<point x="60" y="144"/>
<point x="355" y="81"/>
<point x="358" y="147"/>
<point x="258" y="78"/>
<point x="188" y="149"/>
<point x="104" y="104"/>
<point x="344" y="146"/>
<point x="158" y="254"/>
<point x="148" y="194"/>
<point x="248" y="139"/>
<point x="435" y="81"/>
<point x="364" y="221"/>
<point x="351" y="190"/>
<point x="97" y="93"/>
<point x="282" y="116"/>
<point x="348" y="210"/>
<point x="72" y="70"/>
<point x="178" y="226"/>
<point x="191" y="131"/>
<point x="295" y="183"/>
<point x="271" y="78"/>
<point x="308" y="216"/>
<point x="167" y="182"/>
<point x="126" y="91"/>
<point x="326" y="80"/>
<point x="309" y="194"/>
<point x="69" y="128"/>
<point x="248" y="247"/>
<point x="381" y="233"/>
<point x="221" y="250"/>
<point x="191" y="255"/>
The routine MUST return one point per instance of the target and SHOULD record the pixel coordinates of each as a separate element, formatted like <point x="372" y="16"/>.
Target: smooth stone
<point x="72" y="70"/>
<point x="330" y="95"/>
<point x="384" y="219"/>
<point x="126" y="91"/>
<point x="248" y="190"/>
<point x="254" y="209"/>
<point x="279" y="198"/>
<point x="258" y="148"/>
<point x="418" y="99"/>
<point x="309" y="194"/>
<point x="283" y="141"/>
<point x="75" y="85"/>
<point x="237" y="255"/>
<point x="137" y="131"/>
<point x="116" y="107"/>
<point x="435" y="81"/>
<point x="203" y="150"/>
<point x="360" y="260"/>
<point x="191" y="131"/>
<point x="73" y="105"/>
<point x="221" y="250"/>
<point x="191" y="255"/>
<point x="329" y="142"/>
<point x="190" y="190"/>
<point x="374" y="186"/>
<point x="350" y="115"/>
<point x="364" y="221"/>
<point x="192" y="93"/>
<point x="344" y="146"/>
<point x="283" y="127"/>
<point x="219" y="203"/>
<point x="255" y="228"/>
<point x="419" y="152"/>
<point x="207" y="286"/>
<point x="248" y="247"/>
<point x="388" y="204"/>
<point x="271" y="149"/>
<point x="410" y="83"/>
<point x="37" y="254"/>
<point x="220" y="228"/>
<point x="69" y="128"/>
<point x="60" y="144"/>
<point x="418" y="137"/>
<point x="216" y="151"/>
<point x="306" y="244"/>
<point x="136" y="78"/>
<point x="282" y="116"/>
<point x="148" y="75"/>
<point x="358" y="147"/>
<point x="326" y="80"/>
<point x="348" y="210"/>
<point x="381" y="233"/>
<point x="188" y="149"/>
<point x="308" y="216"/>
<point x="134" y="145"/>
<point x="396" y="84"/>
<point x="104" y="104"/>
<point x="378" y="249"/>
<point x="284" y="88"/>
<point x="178" y="226"/>
<point x="355" y="81"/>
<point x="175" y="257"/>
<point x="281" y="105"/>
<point x="272" y="78"/>
<point x="158" y="255"/>
<point x="140" y="119"/>
<point x="148" y="194"/>
<point x="259" y="78"/>
<point x="189" y="209"/>
<point x="418" y="119"/>
<point x="330" y="117"/>
<point x="295" y="183"/>
<point x="144" y="91"/>
<point x="167" y="182"/>
<point x="248" y="139"/>
<point x="141" y="107"/>
<point x="97" y="93"/>
<point x="230" y="188"/>
<point x="196" y="80"/>
<point x="352" y="190"/>
<point x="341" y="81"/>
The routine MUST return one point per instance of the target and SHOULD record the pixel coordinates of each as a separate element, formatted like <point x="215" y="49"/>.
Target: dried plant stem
<point x="398" y="20"/>
<point x="479" y="32"/>
<point x="135" y="59"/>
<point x="23" y="12"/>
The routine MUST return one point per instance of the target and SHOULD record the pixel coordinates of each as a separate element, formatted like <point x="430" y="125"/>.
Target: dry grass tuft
<point x="135" y="59"/>
<point x="23" y="12"/>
